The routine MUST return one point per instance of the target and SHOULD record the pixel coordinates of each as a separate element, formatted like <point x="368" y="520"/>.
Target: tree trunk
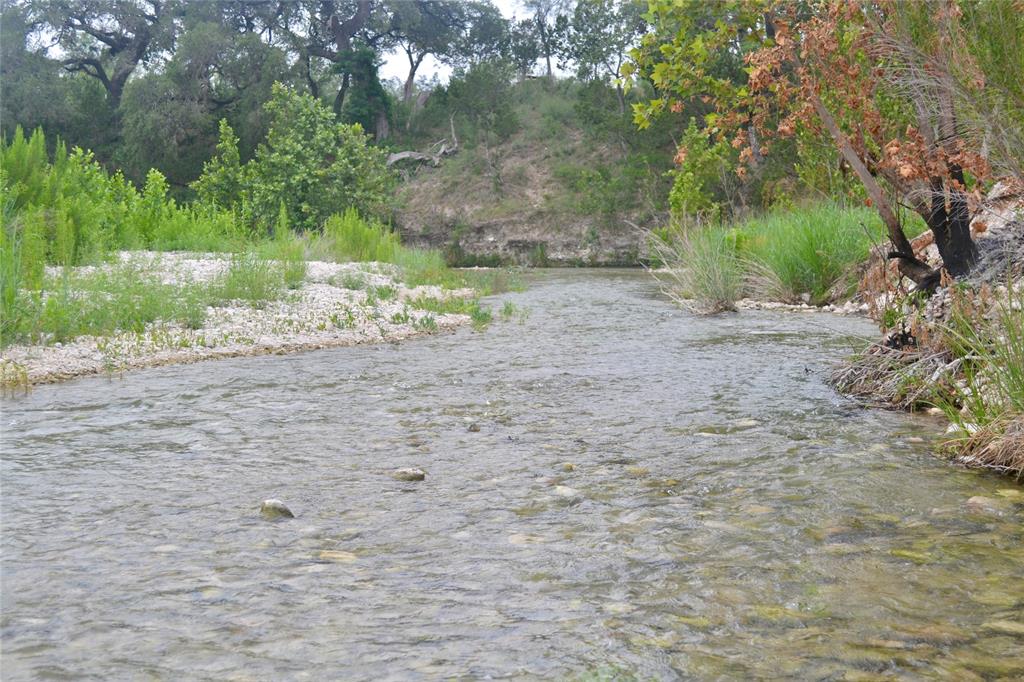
<point x="950" y="221"/>
<point x="410" y="82"/>
<point x="339" y="99"/>
<point x="923" y="276"/>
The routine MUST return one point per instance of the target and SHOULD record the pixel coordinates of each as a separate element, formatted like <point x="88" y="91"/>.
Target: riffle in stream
<point x="614" y="487"/>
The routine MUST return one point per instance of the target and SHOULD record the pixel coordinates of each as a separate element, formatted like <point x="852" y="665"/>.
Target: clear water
<point x="730" y="515"/>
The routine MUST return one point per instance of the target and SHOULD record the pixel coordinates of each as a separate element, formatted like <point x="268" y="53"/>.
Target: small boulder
<point x="474" y="427"/>
<point x="275" y="509"/>
<point x="570" y="495"/>
<point x="408" y="474"/>
<point x="980" y="504"/>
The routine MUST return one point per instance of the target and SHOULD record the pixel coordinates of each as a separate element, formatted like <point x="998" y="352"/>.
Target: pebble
<point x="275" y="509"/>
<point x="409" y="474"/>
<point x="336" y="556"/>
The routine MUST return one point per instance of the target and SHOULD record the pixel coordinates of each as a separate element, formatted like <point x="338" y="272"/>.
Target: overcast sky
<point x="396" y="65"/>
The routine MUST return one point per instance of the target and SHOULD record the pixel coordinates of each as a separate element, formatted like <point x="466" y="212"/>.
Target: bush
<point x="309" y="162"/>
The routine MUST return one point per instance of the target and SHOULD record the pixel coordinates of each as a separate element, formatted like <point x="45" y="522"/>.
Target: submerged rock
<point x="985" y="505"/>
<point x="571" y="495"/>
<point x="275" y="509"/>
<point x="408" y="474"/>
<point x="336" y="556"/>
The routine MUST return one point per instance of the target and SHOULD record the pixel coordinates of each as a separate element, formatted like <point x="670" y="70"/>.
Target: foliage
<point x="700" y="165"/>
<point x="873" y="78"/>
<point x="310" y="163"/>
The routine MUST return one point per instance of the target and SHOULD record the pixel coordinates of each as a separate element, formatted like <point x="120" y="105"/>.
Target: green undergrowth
<point x="98" y="303"/>
<point x="61" y="209"/>
<point x="807" y="254"/>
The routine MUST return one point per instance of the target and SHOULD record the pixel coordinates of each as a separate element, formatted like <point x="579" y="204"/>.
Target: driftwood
<point x="443" y="147"/>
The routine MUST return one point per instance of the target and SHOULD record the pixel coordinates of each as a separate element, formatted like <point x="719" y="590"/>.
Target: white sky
<point x="396" y="64"/>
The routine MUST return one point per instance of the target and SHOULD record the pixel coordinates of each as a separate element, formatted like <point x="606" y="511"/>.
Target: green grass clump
<point x="990" y="410"/>
<point x="351" y="238"/>
<point x="701" y="266"/>
<point x="781" y="256"/>
<point x="288" y="251"/>
<point x="812" y="250"/>
<point x="123" y="299"/>
<point x="252" y="279"/>
<point x="480" y="315"/>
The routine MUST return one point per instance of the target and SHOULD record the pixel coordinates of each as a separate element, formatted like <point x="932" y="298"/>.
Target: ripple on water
<point x="647" y="493"/>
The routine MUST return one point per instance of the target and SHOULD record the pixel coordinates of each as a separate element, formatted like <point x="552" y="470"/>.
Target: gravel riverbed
<point x="325" y="311"/>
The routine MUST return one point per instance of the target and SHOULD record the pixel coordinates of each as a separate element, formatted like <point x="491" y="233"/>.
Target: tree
<point x="425" y="27"/>
<point x="309" y="163"/>
<point x="324" y="30"/>
<point x="107" y="41"/>
<point x="36" y="91"/>
<point x="549" y="24"/>
<point x="601" y="33"/>
<point x="522" y="47"/>
<point x="838" y="70"/>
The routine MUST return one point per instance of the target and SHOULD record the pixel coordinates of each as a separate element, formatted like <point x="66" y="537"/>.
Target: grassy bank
<point x="810" y="255"/>
<point x="968" y="364"/>
<point x="67" y="222"/>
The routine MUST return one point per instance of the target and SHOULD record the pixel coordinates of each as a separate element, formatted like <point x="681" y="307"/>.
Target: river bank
<point x="330" y="305"/>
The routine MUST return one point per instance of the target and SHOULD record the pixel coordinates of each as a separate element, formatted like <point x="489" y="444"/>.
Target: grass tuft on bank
<point x="987" y="407"/>
<point x="807" y="254"/>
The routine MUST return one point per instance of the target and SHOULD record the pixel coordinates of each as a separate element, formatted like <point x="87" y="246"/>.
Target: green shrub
<point x="309" y="162"/>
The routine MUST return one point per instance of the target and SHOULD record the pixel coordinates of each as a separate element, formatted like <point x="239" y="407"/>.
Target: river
<point x="615" y="489"/>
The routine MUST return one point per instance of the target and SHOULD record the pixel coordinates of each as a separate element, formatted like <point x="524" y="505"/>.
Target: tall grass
<point x="809" y="253"/>
<point x="251" y="279"/>
<point x="990" y="410"/>
<point x="97" y="303"/>
<point x="701" y="267"/>
<point x="350" y="238"/>
<point x="810" y="250"/>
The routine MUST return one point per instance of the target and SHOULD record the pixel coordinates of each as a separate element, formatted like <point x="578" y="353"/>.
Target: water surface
<point x="647" y="494"/>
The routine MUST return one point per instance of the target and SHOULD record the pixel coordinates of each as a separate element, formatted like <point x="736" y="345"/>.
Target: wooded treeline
<point x="144" y="83"/>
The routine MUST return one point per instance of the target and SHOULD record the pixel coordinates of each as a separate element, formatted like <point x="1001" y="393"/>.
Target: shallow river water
<point x="649" y="494"/>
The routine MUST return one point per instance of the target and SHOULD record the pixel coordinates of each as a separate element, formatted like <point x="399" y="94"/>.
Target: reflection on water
<point x="648" y="494"/>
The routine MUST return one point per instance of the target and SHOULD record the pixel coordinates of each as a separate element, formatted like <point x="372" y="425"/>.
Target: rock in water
<point x="409" y="474"/>
<point x="275" y="509"/>
<point x="474" y="427"/>
<point x="570" y="495"/>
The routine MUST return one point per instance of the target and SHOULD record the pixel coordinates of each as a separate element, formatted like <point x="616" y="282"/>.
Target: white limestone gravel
<point x="322" y="313"/>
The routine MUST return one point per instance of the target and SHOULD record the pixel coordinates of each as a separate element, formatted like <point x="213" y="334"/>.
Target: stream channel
<point x="615" y="489"/>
